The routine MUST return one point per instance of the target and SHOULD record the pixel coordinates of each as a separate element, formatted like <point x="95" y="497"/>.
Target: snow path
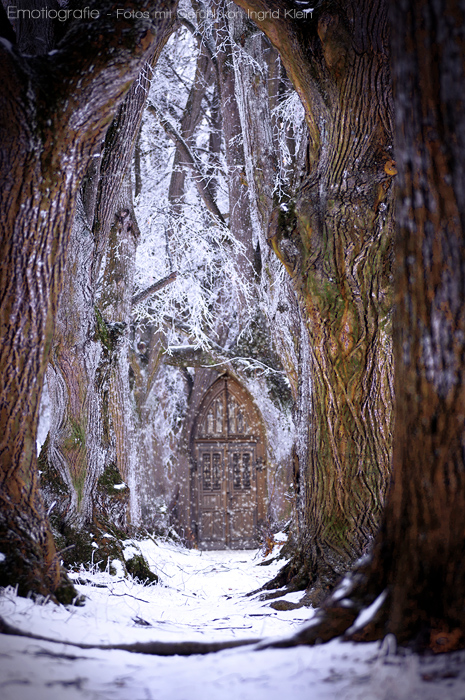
<point x="201" y="597"/>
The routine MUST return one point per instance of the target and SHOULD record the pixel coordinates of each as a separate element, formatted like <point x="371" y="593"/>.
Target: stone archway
<point x="228" y="481"/>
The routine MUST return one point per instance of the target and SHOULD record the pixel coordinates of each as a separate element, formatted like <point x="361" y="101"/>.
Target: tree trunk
<point x="419" y="554"/>
<point x="73" y="455"/>
<point x="239" y="205"/>
<point x="335" y="239"/>
<point x="85" y="353"/>
<point x="116" y="308"/>
<point x="417" y="573"/>
<point x="44" y="134"/>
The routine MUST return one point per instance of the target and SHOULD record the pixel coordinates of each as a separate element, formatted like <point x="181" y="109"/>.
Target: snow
<point x="202" y="596"/>
<point x="368" y="613"/>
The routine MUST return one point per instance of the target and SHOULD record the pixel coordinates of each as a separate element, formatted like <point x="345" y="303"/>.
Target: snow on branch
<point x="214" y="356"/>
<point x="192" y="162"/>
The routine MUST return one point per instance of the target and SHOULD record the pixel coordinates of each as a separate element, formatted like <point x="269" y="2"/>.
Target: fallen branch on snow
<point x="153" y="648"/>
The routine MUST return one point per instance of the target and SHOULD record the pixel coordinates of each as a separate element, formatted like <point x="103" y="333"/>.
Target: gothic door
<point x="228" y="450"/>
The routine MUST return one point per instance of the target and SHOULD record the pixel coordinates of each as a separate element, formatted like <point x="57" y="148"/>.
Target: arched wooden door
<point x="229" y="479"/>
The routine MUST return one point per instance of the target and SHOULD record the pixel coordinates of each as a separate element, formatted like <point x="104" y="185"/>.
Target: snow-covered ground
<point x="202" y="597"/>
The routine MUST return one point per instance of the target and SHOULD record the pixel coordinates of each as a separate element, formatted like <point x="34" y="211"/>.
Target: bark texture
<point x="334" y="236"/>
<point x="86" y="343"/>
<point x="417" y="574"/>
<point x="91" y="429"/>
<point x="55" y="110"/>
<point x="419" y="556"/>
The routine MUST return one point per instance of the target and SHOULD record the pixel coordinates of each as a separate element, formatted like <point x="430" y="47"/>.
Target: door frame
<point x="201" y="443"/>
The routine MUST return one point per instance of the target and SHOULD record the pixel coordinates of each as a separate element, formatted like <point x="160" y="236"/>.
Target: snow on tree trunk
<point x="48" y="137"/>
<point x="116" y="308"/>
<point x="88" y="355"/>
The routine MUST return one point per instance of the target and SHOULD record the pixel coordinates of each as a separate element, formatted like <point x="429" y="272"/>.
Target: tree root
<point x="152" y="648"/>
<point x="337" y="618"/>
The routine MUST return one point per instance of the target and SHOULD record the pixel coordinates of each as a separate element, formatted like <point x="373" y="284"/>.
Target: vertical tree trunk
<point x="116" y="308"/>
<point x="335" y="240"/>
<point x="419" y="554"/>
<point x="239" y="206"/>
<point x="417" y="572"/>
<point x="73" y="454"/>
<point x="85" y="352"/>
<point x="47" y="140"/>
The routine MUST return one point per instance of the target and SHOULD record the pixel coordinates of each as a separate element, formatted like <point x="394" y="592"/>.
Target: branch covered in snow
<point x="213" y="356"/>
<point x="152" y="648"/>
<point x="192" y="163"/>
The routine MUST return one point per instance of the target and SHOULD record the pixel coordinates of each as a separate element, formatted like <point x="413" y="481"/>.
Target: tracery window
<point x="241" y="470"/>
<point x="237" y="422"/>
<point x="214" y="421"/>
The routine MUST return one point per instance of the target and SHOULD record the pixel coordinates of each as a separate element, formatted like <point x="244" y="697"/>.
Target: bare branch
<point x="155" y="287"/>
<point x="192" y="162"/>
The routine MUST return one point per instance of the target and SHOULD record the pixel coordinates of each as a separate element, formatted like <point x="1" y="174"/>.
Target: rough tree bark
<point x="116" y="307"/>
<point x="335" y="240"/>
<point x="55" y="110"/>
<point x="417" y="572"/>
<point x="82" y="440"/>
<point x="419" y="555"/>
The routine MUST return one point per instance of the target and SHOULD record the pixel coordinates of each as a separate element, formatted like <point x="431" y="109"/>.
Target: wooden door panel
<point x="242" y="527"/>
<point x="242" y="496"/>
<point x="212" y="527"/>
<point x="212" y="489"/>
<point x="212" y="501"/>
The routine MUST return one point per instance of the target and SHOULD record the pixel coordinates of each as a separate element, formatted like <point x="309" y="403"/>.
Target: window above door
<point x="225" y="416"/>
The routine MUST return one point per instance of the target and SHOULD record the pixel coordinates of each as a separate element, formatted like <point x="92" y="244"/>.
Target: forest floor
<point x="201" y="596"/>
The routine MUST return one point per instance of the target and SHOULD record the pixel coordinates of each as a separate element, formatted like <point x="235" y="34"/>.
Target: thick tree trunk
<point x="47" y="139"/>
<point x="82" y="442"/>
<point x="417" y="573"/>
<point x="419" y="555"/>
<point x="74" y="453"/>
<point x="335" y="239"/>
<point x="116" y="309"/>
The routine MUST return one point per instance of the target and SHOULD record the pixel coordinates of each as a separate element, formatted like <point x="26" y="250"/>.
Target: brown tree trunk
<point x="239" y="205"/>
<point x="335" y="239"/>
<point x="47" y="139"/>
<point x="81" y="443"/>
<point x="417" y="573"/>
<point x="73" y="449"/>
<point x="116" y="308"/>
<point x="419" y="554"/>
